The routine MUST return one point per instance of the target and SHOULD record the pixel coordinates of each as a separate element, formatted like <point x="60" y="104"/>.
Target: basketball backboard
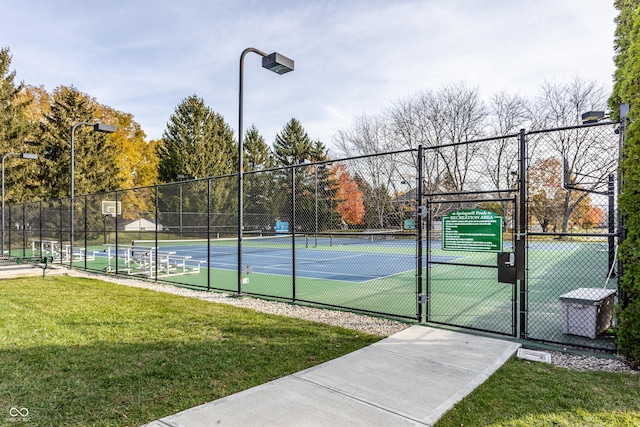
<point x="110" y="207"/>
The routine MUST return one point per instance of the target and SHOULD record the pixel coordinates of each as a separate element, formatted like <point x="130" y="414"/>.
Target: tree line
<point x="197" y="142"/>
<point x="443" y="119"/>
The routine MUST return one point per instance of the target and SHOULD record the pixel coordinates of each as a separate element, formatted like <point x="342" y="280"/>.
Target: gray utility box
<point x="587" y="312"/>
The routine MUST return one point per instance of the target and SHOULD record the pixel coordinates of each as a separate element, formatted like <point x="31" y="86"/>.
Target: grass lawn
<point x="527" y="394"/>
<point x="82" y="352"/>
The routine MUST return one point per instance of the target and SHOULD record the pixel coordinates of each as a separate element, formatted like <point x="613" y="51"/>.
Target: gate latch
<point x="507" y="267"/>
<point x="422" y="298"/>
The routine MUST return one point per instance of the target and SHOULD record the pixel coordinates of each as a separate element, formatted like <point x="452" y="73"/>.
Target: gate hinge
<point x="422" y="298"/>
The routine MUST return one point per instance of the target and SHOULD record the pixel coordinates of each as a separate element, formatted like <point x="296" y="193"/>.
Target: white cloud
<point x="352" y="57"/>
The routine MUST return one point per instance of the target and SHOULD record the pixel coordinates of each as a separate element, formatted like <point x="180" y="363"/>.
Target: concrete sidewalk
<point x="409" y="379"/>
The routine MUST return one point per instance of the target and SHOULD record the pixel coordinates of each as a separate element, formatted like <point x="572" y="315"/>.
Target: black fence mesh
<point x="370" y="234"/>
<point x="468" y="182"/>
<point x="572" y="238"/>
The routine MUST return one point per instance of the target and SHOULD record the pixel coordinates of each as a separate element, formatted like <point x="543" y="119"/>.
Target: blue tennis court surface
<point x="311" y="262"/>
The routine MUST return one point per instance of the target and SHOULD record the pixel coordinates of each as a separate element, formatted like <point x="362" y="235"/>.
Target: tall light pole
<point x="97" y="127"/>
<point x="279" y="64"/>
<point x="22" y="156"/>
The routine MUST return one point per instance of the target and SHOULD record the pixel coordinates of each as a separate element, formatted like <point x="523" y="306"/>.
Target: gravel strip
<point x="580" y="362"/>
<point x="367" y="324"/>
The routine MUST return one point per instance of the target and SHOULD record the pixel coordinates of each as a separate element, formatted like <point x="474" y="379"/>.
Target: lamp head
<point x="28" y="156"/>
<point x="592" y="117"/>
<point x="104" y="128"/>
<point x="277" y="63"/>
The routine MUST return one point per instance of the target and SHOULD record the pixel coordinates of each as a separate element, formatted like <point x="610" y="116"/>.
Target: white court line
<point x="286" y="268"/>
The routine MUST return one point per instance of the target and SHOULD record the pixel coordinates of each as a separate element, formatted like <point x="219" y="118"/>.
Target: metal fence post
<point x="24" y="229"/>
<point x="116" y="247"/>
<point x="9" y="228"/>
<point x="40" y="222"/>
<point x="293" y="234"/>
<point x="611" y="192"/>
<point x="156" y="230"/>
<point x="85" y="233"/>
<point x="60" y="218"/>
<point x="208" y="234"/>
<point x="622" y="228"/>
<point x="419" y="218"/>
<point x="522" y="235"/>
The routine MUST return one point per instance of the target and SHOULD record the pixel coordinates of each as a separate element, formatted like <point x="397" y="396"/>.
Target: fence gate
<point x="470" y="270"/>
<point x="469" y="247"/>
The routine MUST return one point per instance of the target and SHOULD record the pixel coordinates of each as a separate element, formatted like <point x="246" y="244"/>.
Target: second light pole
<point x="279" y="64"/>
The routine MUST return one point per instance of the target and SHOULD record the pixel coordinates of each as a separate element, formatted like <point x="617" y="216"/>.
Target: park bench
<point x="43" y="261"/>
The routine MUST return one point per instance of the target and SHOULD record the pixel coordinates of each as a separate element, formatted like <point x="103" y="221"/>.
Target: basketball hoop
<point x="111" y="208"/>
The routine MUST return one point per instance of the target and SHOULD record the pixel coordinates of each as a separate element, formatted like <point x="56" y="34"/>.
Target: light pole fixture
<point x="97" y="127"/>
<point x="279" y="64"/>
<point x="22" y="156"/>
<point x="592" y="117"/>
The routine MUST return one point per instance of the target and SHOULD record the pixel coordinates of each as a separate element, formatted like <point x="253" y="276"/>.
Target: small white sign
<point x="534" y="356"/>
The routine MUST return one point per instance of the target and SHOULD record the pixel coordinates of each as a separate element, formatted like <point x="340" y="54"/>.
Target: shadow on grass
<point x="79" y="352"/>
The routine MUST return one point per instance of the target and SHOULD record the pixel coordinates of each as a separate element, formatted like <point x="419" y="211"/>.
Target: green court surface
<point x="459" y="295"/>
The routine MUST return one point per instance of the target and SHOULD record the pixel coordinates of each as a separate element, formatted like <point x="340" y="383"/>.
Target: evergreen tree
<point x="96" y="169"/>
<point x="292" y="145"/>
<point x="258" y="188"/>
<point x="257" y="154"/>
<point x="20" y="182"/>
<point x="627" y="90"/>
<point x="197" y="142"/>
<point x="624" y="35"/>
<point x="318" y="152"/>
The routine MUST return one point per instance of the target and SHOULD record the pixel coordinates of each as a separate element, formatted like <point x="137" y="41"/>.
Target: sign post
<point x="472" y="230"/>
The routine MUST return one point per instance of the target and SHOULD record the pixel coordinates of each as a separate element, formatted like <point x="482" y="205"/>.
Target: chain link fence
<point x="572" y="235"/>
<point x="370" y="234"/>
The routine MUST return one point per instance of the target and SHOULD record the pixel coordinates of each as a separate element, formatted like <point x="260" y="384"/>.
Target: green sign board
<point x="472" y="230"/>
<point x="409" y="224"/>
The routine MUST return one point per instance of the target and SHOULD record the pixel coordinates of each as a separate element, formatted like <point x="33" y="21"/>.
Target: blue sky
<point x="351" y="56"/>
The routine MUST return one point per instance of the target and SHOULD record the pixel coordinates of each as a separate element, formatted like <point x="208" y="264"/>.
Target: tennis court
<point x="347" y="259"/>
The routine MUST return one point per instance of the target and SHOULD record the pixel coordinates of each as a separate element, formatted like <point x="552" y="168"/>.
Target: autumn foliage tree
<point x="592" y="217"/>
<point x="137" y="162"/>
<point x="546" y="193"/>
<point x="350" y="198"/>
